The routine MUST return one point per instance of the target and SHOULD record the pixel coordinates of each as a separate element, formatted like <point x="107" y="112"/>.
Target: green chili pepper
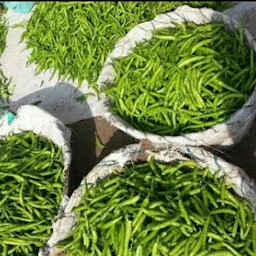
<point x="29" y="200"/>
<point x="156" y="213"/>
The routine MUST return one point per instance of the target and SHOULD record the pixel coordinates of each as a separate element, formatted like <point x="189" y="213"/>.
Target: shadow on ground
<point x="86" y="153"/>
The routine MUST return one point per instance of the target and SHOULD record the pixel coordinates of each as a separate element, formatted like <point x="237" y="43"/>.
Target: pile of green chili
<point x="185" y="79"/>
<point x="31" y="189"/>
<point x="162" y="209"/>
<point x="73" y="39"/>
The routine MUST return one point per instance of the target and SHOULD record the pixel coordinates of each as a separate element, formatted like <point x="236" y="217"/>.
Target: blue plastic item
<point x="20" y="7"/>
<point x="9" y="115"/>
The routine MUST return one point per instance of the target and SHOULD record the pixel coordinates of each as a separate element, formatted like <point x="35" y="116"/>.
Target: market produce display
<point x="185" y="79"/>
<point x="31" y="189"/>
<point x="73" y="39"/>
<point x="162" y="209"/>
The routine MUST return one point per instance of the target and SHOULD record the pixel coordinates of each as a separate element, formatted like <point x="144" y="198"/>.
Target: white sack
<point x="243" y="185"/>
<point x="223" y="134"/>
<point x="32" y="118"/>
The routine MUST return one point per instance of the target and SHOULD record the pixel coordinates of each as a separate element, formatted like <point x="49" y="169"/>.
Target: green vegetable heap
<point x="31" y="188"/>
<point x="75" y="38"/>
<point x="158" y="209"/>
<point x="185" y="79"/>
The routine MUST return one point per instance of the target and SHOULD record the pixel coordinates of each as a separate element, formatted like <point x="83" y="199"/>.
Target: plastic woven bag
<point x="32" y="118"/>
<point x="243" y="185"/>
<point x="224" y="134"/>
